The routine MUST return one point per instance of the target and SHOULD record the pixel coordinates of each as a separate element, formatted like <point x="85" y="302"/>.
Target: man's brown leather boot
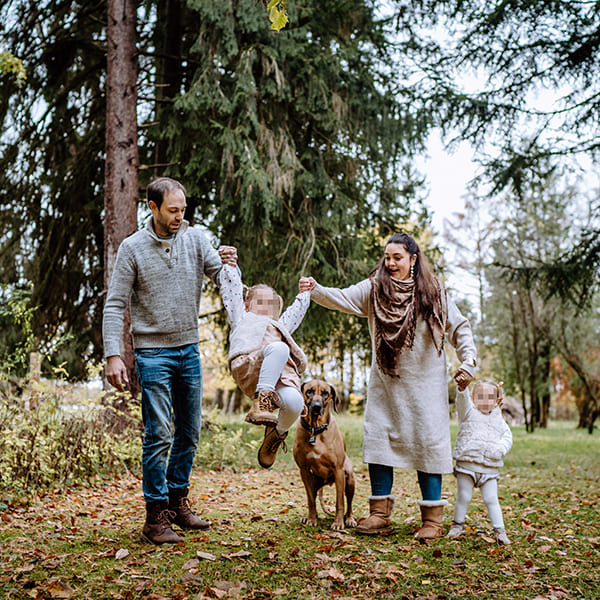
<point x="179" y="506"/>
<point x="157" y="528"/>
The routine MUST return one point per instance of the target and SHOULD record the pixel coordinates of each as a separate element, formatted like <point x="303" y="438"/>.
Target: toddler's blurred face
<point x="485" y="397"/>
<point x="263" y="302"/>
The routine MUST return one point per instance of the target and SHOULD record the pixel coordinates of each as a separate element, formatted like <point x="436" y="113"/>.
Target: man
<point x="159" y="272"/>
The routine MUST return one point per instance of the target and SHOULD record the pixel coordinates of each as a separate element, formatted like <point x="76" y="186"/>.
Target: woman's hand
<point x="463" y="379"/>
<point x="306" y="284"/>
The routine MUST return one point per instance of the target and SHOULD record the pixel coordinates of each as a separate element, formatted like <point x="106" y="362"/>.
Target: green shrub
<point x="66" y="442"/>
<point x="56" y="446"/>
<point x="227" y="442"/>
<point x="53" y="446"/>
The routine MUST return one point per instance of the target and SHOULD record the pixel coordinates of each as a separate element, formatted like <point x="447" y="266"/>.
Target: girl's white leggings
<point x="291" y="403"/>
<point x="489" y="493"/>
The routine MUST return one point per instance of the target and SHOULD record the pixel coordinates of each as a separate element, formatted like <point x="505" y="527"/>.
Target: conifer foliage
<point x="520" y="80"/>
<point x="291" y="144"/>
<point x="51" y="170"/>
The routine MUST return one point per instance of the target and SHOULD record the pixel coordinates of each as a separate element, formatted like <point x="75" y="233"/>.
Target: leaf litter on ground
<point x="84" y="541"/>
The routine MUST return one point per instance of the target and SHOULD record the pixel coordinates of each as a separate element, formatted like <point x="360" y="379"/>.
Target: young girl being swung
<point x="264" y="359"/>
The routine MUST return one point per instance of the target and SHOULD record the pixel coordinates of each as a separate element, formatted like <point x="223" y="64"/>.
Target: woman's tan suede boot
<point x="432" y="515"/>
<point x="378" y="522"/>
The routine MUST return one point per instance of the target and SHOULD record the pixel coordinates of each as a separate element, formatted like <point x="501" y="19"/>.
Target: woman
<point x="406" y="422"/>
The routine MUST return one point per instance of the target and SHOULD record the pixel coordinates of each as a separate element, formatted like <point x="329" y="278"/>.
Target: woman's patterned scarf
<point x="396" y="322"/>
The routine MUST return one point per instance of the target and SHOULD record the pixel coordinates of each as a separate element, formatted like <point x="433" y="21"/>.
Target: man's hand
<point x="228" y="255"/>
<point x="116" y="373"/>
<point x="463" y="379"/>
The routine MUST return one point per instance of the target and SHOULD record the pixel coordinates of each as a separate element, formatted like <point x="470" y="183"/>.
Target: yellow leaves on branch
<point x="12" y="64"/>
<point x="278" y="14"/>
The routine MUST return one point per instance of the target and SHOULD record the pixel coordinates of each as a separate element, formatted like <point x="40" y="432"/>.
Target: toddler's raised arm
<point x="464" y="404"/>
<point x="232" y="293"/>
<point x="294" y="314"/>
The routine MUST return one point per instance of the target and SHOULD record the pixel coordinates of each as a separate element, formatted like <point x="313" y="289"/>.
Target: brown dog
<point x="320" y="453"/>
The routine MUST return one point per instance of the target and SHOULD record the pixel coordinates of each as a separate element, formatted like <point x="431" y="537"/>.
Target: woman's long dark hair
<point x="427" y="288"/>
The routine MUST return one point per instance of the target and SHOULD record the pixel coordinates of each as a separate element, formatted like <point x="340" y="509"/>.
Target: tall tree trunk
<point x="516" y="339"/>
<point x="593" y="415"/>
<point x="544" y="361"/>
<point x="533" y="397"/>
<point x="531" y="342"/>
<point x="589" y="410"/>
<point x="168" y="35"/>
<point x="121" y="176"/>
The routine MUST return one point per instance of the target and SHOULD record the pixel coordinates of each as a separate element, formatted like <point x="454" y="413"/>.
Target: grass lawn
<point x="83" y="542"/>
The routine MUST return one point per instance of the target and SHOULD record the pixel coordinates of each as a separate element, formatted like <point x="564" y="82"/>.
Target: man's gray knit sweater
<point x="162" y="281"/>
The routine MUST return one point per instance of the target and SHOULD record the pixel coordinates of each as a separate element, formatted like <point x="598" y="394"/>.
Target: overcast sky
<point x="448" y="175"/>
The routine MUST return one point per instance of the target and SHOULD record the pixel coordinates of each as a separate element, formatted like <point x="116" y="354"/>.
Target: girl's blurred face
<point x="398" y="261"/>
<point x="485" y="397"/>
<point x="263" y="302"/>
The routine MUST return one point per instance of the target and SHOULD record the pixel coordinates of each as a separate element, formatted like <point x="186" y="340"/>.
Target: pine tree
<point x="51" y="171"/>
<point x="520" y="80"/>
<point x="296" y="147"/>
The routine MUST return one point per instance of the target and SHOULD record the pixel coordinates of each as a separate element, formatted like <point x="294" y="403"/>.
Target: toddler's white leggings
<point x="275" y="357"/>
<point x="489" y="493"/>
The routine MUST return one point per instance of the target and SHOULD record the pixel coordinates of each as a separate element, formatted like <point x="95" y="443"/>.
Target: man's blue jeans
<point x="171" y="382"/>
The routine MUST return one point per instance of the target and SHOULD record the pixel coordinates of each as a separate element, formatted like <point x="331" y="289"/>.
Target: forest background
<point x="302" y="148"/>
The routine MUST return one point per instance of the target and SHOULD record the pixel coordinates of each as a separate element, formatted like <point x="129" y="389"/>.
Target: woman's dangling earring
<point x="412" y="271"/>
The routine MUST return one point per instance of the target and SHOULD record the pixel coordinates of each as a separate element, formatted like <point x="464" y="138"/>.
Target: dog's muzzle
<point x="316" y="408"/>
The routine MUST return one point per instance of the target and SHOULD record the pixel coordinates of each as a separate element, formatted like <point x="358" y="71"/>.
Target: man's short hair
<point x="159" y="187"/>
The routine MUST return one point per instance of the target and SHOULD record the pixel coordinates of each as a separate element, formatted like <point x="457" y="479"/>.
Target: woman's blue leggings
<point x="382" y="479"/>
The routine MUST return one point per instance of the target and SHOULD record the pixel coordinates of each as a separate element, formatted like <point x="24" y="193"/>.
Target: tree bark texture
<point x="121" y="176"/>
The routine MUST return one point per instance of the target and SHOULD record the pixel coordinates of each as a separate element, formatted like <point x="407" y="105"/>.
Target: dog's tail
<point x="328" y="511"/>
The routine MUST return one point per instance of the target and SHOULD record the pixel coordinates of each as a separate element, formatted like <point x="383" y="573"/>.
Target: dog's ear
<point x="334" y="398"/>
<point x="302" y="386"/>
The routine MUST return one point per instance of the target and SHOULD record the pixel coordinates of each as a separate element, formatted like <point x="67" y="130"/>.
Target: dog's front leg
<point x="349" y="484"/>
<point x="340" y="485"/>
<point x="311" y="498"/>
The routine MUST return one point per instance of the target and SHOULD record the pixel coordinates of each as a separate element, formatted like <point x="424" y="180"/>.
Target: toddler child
<point x="264" y="360"/>
<point x="483" y="439"/>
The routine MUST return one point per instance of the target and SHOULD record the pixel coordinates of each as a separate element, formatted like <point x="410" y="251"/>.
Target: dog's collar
<point x="314" y="431"/>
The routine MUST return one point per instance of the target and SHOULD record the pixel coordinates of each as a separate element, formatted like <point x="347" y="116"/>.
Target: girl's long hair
<point x="427" y="287"/>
